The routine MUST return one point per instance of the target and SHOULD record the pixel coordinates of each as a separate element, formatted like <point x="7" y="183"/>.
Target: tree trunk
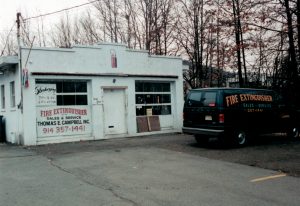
<point x="298" y="28"/>
<point x="292" y="50"/>
<point x="238" y="42"/>
<point x="242" y="40"/>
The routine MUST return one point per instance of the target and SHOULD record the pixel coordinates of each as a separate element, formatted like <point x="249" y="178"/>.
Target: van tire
<point x="201" y="139"/>
<point x="293" y="133"/>
<point x="240" y="138"/>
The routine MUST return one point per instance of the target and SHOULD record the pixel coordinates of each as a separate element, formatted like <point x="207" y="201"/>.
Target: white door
<point x="114" y="111"/>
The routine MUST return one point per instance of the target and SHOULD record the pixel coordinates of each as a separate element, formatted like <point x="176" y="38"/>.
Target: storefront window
<point x="62" y="108"/>
<point x="66" y="92"/>
<point x="71" y="93"/>
<point x="152" y="98"/>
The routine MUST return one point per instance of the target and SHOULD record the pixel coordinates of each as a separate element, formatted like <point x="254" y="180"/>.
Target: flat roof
<point x="8" y="60"/>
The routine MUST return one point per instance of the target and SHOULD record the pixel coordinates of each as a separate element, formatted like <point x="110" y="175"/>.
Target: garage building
<point x="88" y="93"/>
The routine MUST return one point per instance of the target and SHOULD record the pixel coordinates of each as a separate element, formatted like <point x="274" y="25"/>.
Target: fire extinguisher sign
<point x="113" y="57"/>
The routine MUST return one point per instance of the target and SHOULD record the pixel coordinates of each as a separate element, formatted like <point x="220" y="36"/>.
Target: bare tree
<point x="8" y="42"/>
<point x="190" y="36"/>
<point x="255" y="39"/>
<point x="91" y="33"/>
<point x="62" y="34"/>
<point x="109" y="14"/>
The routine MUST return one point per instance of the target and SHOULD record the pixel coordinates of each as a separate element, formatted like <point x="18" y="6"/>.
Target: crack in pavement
<point x="92" y="184"/>
<point x="18" y="156"/>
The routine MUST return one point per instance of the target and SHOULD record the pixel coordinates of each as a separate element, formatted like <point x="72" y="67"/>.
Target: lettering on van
<point x="240" y="98"/>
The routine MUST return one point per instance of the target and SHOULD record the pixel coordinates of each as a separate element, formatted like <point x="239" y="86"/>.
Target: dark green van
<point x="234" y="114"/>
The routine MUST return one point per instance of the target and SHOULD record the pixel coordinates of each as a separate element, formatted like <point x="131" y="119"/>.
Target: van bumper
<point x="202" y="131"/>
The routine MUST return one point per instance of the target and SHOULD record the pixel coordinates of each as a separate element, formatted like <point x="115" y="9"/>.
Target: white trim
<point x="50" y="49"/>
<point x="61" y="139"/>
<point x="85" y="47"/>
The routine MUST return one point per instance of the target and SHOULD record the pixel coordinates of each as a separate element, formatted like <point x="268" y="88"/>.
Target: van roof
<point x="230" y="89"/>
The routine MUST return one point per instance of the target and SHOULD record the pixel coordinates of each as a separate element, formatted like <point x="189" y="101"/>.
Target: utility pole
<point x="18" y="27"/>
<point x="18" y="21"/>
<point x="19" y="137"/>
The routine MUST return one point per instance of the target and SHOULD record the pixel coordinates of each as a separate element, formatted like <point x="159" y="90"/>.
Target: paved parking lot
<point x="274" y="152"/>
<point x="154" y="170"/>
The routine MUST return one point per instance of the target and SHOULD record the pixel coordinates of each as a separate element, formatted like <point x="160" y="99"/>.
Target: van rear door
<point x="200" y="109"/>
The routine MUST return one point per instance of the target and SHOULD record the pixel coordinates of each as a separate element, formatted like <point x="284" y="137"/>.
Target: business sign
<point x="45" y="94"/>
<point x="240" y="98"/>
<point x="61" y="121"/>
<point x="250" y="102"/>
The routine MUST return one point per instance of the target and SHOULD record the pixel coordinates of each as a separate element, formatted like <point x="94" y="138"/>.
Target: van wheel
<point x="293" y="133"/>
<point x="201" y="139"/>
<point x="240" y="138"/>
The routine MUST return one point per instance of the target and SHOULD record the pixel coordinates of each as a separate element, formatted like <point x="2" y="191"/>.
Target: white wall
<point x="97" y="60"/>
<point x="12" y="115"/>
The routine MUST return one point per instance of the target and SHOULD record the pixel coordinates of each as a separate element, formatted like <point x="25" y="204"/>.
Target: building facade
<point x="89" y="93"/>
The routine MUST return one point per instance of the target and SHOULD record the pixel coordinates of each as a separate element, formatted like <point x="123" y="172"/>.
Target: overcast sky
<point x="28" y="8"/>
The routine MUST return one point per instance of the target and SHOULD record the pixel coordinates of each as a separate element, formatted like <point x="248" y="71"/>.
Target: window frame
<point x="2" y="96"/>
<point x="152" y="105"/>
<point x="12" y="87"/>
<point x="62" y="94"/>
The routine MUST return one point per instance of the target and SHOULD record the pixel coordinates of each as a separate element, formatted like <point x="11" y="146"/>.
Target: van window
<point x="209" y="99"/>
<point x="202" y="99"/>
<point x="194" y="99"/>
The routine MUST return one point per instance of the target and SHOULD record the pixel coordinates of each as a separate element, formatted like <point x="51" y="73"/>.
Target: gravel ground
<point x="269" y="152"/>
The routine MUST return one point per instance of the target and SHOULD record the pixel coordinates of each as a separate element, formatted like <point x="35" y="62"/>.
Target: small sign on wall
<point x="114" y="63"/>
<point x="45" y="94"/>
<point x="25" y="80"/>
<point x="149" y="112"/>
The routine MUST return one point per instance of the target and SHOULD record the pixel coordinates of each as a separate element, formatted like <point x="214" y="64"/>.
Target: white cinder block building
<point x="89" y="93"/>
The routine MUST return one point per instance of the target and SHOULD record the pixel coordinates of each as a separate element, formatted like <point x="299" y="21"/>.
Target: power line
<point x="58" y="11"/>
<point x="7" y="39"/>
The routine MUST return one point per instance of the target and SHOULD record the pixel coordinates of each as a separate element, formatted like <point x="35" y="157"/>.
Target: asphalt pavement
<point x="130" y="172"/>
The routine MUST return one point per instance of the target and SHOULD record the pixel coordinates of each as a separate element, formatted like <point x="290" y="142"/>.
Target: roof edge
<point x="8" y="60"/>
